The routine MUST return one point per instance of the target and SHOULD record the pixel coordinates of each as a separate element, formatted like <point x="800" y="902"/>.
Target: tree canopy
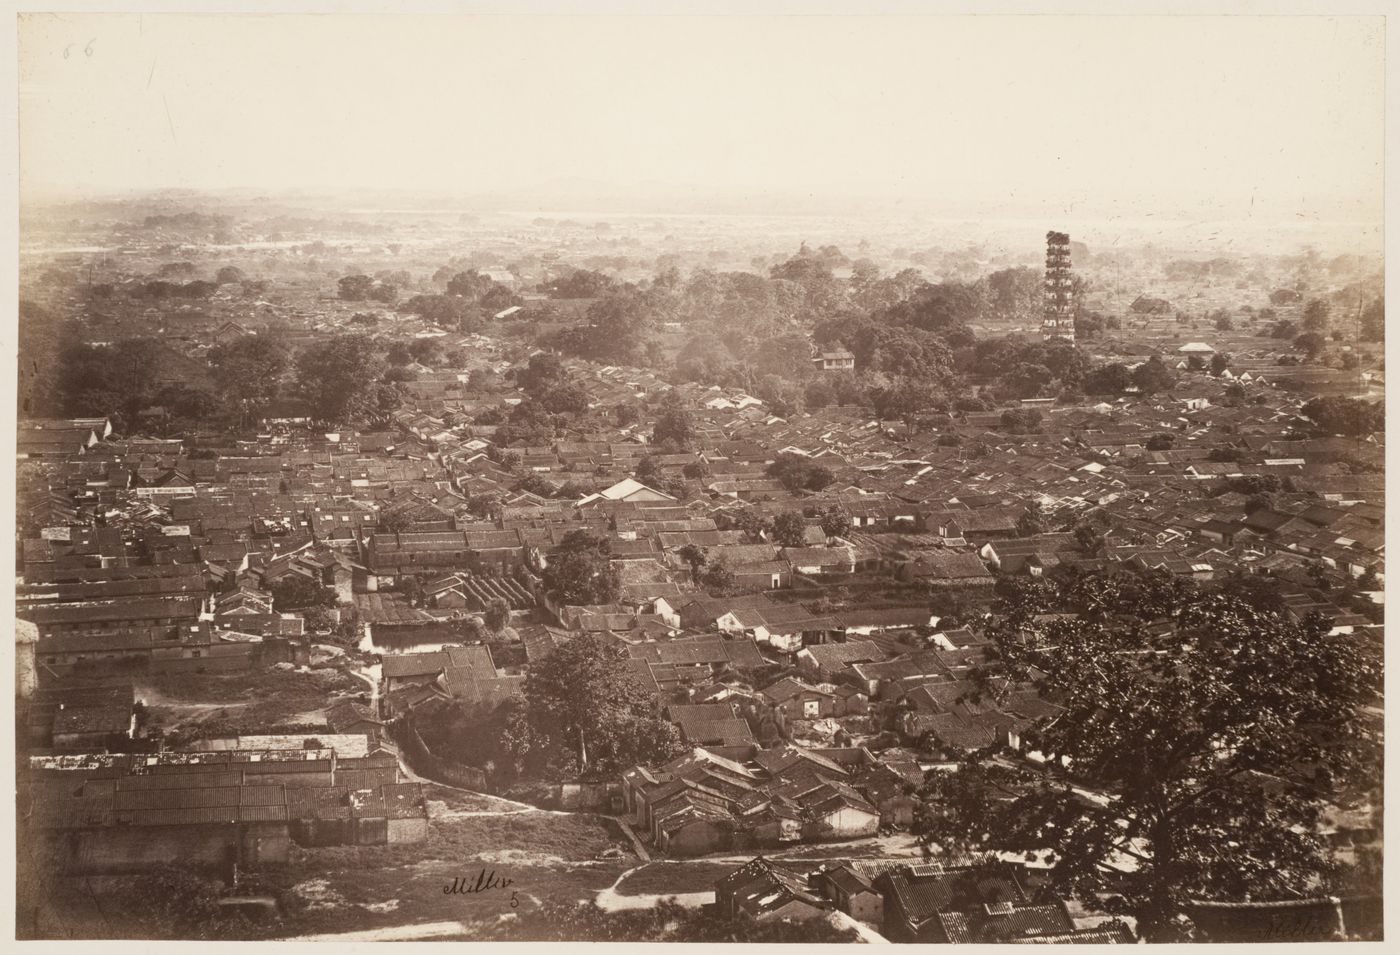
<point x="1198" y="754"/>
<point x="673" y="426"/>
<point x="542" y="372"/>
<point x="248" y="370"/>
<point x="1033" y="520"/>
<point x="1153" y="375"/>
<point x="789" y="529"/>
<point x="121" y="378"/>
<point x="1350" y="416"/>
<point x="579" y="571"/>
<point x="299" y="593"/>
<point x="1108" y="379"/>
<point x="835" y="522"/>
<point x="1373" y="321"/>
<point x="798" y="473"/>
<point x="584" y="711"/>
<point x="337" y="376"/>
<point x="448" y="311"/>
<point x="581" y="283"/>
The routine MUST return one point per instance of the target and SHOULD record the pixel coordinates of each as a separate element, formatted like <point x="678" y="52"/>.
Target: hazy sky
<point x="1135" y="111"/>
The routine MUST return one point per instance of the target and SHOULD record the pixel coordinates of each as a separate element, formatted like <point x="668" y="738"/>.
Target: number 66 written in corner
<point x="87" y="50"/>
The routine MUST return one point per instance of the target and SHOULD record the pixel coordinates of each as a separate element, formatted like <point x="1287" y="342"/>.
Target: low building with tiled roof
<point x="767" y="891"/>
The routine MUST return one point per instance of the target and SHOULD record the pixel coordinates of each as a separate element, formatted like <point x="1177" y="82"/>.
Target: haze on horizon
<point x="1256" y="117"/>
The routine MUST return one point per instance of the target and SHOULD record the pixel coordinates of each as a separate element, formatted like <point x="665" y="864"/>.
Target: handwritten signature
<point x="483" y="882"/>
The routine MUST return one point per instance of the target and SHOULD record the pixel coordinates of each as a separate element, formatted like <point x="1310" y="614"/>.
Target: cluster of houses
<point x="740" y="797"/>
<point x="981" y="902"/>
<point x="992" y="902"/>
<point x="135" y="548"/>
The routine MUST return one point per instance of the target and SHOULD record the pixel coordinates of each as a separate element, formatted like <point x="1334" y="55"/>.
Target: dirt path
<point x="371" y="675"/>
<point x="609" y="900"/>
<point x="154" y="698"/>
<point x="202" y="707"/>
<point x="470" y="813"/>
<point x="501" y="806"/>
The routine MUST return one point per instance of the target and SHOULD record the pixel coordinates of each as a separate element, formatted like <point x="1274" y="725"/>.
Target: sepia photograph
<point x="770" y="474"/>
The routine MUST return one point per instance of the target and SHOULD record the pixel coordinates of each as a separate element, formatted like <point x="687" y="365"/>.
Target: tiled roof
<point x="923" y="891"/>
<point x="999" y="923"/>
<point x="836" y="656"/>
<point x="407" y="665"/>
<point x="726" y="731"/>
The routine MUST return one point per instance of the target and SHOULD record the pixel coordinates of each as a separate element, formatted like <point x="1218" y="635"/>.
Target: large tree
<point x="1108" y="379"/>
<point x="789" y="529"/>
<point x="1373" y="321"/>
<point x="497" y="614"/>
<point x="901" y="351"/>
<point x="616" y="330"/>
<point x="1310" y="343"/>
<point x="470" y="285"/>
<point x="799" y="473"/>
<point x="355" y="288"/>
<point x="563" y="399"/>
<point x="1033" y="520"/>
<point x="619" y="324"/>
<point x="945" y="309"/>
<point x="1025" y="380"/>
<point x="809" y="274"/>
<point x="584" y="711"/>
<point x="543" y="372"/>
<point x="784" y="356"/>
<point x="694" y="556"/>
<point x="1199" y="755"/>
<point x="338" y="376"/>
<point x="448" y="311"/>
<point x="581" y="283"/>
<point x="299" y="593"/>
<point x="248" y="370"/>
<point x="835" y="522"/>
<point x="903" y="399"/>
<point x="1342" y="415"/>
<point x="1153" y="375"/>
<point x="579" y="571"/>
<point x="1316" y="315"/>
<point x="41" y="335"/>
<point x="1016" y="295"/>
<point x="186" y="405"/>
<point x="673" y="426"/>
<point x="99" y="380"/>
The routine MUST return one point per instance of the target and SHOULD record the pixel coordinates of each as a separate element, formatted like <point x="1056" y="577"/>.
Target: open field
<point x="259" y="698"/>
